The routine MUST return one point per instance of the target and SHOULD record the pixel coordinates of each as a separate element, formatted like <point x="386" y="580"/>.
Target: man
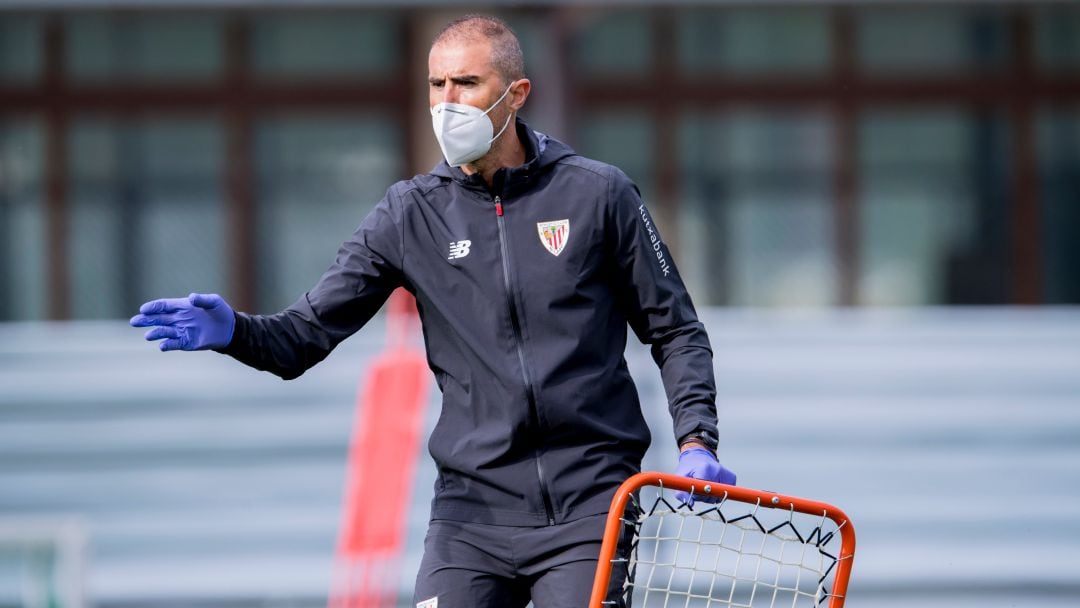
<point x="527" y="262"/>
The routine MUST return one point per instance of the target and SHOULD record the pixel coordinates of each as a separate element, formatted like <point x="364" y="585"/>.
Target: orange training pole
<point x="383" y="453"/>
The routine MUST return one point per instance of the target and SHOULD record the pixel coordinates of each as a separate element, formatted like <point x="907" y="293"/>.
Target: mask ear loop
<point x="497" y="101"/>
<point x="505" y="124"/>
<point x="501" y="97"/>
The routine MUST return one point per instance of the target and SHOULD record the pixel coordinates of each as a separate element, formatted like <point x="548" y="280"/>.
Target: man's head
<point x="503" y="47"/>
<point x="476" y="61"/>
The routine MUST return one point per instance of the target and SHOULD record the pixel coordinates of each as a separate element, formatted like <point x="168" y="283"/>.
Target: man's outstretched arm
<point x="364" y="273"/>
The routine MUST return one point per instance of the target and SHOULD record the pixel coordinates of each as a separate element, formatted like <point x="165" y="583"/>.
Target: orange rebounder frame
<point x="718" y="495"/>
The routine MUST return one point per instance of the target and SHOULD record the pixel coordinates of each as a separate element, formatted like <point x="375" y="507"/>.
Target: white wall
<point x="948" y="435"/>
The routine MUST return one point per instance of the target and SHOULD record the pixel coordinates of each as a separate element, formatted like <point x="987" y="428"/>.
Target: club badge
<point x="553" y="235"/>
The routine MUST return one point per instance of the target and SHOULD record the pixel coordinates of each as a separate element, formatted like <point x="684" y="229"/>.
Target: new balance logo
<point x="459" y="249"/>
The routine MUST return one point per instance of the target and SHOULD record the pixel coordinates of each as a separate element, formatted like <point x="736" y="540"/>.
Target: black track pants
<point x="469" y="565"/>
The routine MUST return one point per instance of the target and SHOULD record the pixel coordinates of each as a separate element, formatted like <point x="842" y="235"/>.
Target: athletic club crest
<point x="554" y="235"/>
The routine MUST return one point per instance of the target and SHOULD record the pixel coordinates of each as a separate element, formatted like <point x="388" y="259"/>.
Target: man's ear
<point x="519" y="92"/>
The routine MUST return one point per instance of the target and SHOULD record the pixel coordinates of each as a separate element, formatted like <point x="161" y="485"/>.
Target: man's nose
<point x="450" y="94"/>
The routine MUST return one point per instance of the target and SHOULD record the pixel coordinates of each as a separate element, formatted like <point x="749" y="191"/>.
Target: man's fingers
<point x="162" y="331"/>
<point x="171" y="344"/>
<point x="141" y="320"/>
<point x="155" y="320"/>
<point x="151" y="320"/>
<point x="721" y="474"/>
<point x="155" y="307"/>
<point x="727" y="477"/>
<point x="205" y="300"/>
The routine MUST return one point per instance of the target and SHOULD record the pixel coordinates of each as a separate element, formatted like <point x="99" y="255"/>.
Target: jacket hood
<point x="541" y="153"/>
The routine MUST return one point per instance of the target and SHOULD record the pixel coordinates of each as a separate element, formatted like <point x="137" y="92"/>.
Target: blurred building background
<point x="839" y="182"/>
<point x="795" y="154"/>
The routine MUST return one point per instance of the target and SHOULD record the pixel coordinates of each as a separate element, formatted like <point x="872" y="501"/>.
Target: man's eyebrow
<point x="464" y="79"/>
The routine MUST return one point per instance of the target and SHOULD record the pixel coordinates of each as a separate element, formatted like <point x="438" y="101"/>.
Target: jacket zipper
<point x="519" y="342"/>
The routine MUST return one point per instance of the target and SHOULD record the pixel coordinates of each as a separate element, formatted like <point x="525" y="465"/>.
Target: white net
<point x="726" y="554"/>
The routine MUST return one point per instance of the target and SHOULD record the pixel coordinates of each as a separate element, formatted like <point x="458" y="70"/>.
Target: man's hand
<point x="197" y="322"/>
<point x="700" y="463"/>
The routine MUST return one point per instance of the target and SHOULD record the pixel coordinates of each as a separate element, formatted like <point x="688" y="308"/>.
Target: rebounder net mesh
<point x="728" y="553"/>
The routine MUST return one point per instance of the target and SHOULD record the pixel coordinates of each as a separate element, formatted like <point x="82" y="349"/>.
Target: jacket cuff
<point x="702" y="437"/>
<point x="239" y="336"/>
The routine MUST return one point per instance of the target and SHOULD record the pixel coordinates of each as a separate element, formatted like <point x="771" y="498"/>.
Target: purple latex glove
<point x="700" y="463"/>
<point x="197" y="322"/>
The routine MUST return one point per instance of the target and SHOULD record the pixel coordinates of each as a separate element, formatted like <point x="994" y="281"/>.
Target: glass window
<point x="20" y="48"/>
<point x="325" y="44"/>
<point x="23" y="262"/>
<point x="754" y="40"/>
<point x="318" y="177"/>
<point x="615" y="44"/>
<point x="756" y="214"/>
<point x="180" y="224"/>
<point x="1059" y="158"/>
<point x="144" y="47"/>
<point x="921" y="40"/>
<point x="147" y="212"/>
<point x="1057" y="36"/>
<point x="933" y="208"/>
<point x="100" y="238"/>
<point x="624" y="139"/>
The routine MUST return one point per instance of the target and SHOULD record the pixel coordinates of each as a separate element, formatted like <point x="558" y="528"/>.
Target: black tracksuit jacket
<point x="540" y="419"/>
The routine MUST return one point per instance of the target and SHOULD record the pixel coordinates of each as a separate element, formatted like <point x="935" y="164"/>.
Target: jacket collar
<point x="541" y="153"/>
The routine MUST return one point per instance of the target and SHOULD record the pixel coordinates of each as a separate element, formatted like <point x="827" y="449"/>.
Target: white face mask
<point x="463" y="131"/>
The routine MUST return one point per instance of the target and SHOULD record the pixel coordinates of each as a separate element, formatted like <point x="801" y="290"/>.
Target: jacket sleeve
<point x="658" y="308"/>
<point x="364" y="273"/>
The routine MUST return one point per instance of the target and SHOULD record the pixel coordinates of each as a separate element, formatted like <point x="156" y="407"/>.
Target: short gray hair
<point x="506" y="56"/>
